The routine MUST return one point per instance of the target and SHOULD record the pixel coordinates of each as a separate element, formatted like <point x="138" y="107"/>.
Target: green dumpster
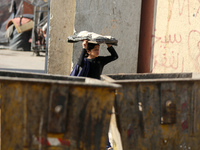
<point x="46" y="112"/>
<point x="158" y="112"/>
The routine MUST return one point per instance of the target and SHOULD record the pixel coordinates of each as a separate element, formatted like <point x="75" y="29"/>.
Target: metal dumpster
<point x="46" y="112"/>
<point x="132" y="76"/>
<point x="158" y="113"/>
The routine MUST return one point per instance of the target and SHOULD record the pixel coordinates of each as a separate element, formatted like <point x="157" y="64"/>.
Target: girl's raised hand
<point x="109" y="45"/>
<point x="84" y="44"/>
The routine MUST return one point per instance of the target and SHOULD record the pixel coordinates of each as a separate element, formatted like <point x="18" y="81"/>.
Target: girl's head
<point x="91" y="46"/>
<point x="93" y="50"/>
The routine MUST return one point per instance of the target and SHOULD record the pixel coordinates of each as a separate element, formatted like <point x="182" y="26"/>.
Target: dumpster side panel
<point x="20" y="123"/>
<point x="36" y="107"/>
<point x="10" y="120"/>
<point x="127" y="114"/>
<point x="92" y="109"/>
<point x="47" y="115"/>
<point x="180" y="133"/>
<point x="59" y="98"/>
<point x="159" y="115"/>
<point x="148" y="98"/>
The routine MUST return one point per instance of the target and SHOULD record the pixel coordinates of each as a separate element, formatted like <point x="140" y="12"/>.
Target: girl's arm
<point x="112" y="57"/>
<point x="112" y="51"/>
<point x="83" y="53"/>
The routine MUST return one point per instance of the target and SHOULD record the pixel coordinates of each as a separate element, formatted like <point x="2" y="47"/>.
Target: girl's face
<point x="93" y="53"/>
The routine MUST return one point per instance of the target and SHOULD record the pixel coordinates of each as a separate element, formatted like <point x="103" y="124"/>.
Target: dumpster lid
<point x="123" y="76"/>
<point x="49" y="78"/>
<point x="150" y="77"/>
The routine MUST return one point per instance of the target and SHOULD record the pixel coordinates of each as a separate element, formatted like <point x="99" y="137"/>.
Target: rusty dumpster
<point x="158" y="112"/>
<point x="46" y="112"/>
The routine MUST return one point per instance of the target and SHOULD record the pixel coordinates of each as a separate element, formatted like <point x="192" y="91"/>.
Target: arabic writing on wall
<point x="178" y="47"/>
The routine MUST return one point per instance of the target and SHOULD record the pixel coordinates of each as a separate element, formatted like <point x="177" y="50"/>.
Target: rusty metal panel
<point x="168" y="103"/>
<point x="158" y="113"/>
<point x="93" y="112"/>
<point x="39" y="114"/>
<point x="58" y="109"/>
<point x="24" y="113"/>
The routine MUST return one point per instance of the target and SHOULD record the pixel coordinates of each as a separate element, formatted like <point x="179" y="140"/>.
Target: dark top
<point x="97" y="64"/>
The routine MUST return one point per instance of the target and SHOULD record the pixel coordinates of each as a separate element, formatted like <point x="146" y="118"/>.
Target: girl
<point x="90" y="63"/>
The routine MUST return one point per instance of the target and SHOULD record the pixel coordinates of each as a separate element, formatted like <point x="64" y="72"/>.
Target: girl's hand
<point x="109" y="45"/>
<point x="84" y="44"/>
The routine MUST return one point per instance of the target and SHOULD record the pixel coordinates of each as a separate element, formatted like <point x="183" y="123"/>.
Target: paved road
<point x="21" y="61"/>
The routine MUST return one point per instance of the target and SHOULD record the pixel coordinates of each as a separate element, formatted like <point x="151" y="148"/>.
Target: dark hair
<point x="91" y="46"/>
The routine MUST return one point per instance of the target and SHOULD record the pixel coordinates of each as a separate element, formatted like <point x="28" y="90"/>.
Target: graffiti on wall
<point x="178" y="47"/>
<point x="166" y="59"/>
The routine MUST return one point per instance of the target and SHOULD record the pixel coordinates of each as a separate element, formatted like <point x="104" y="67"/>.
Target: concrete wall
<point x="61" y="26"/>
<point x="176" y="38"/>
<point x="120" y="19"/>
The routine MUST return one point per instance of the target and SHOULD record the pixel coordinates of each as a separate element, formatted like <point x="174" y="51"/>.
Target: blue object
<point x="83" y="72"/>
<point x="108" y="145"/>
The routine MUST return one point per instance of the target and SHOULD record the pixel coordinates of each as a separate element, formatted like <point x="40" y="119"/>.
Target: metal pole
<point x="33" y="30"/>
<point x="47" y="39"/>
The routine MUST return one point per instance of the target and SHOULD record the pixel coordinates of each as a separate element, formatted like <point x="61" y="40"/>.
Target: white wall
<point x="176" y="39"/>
